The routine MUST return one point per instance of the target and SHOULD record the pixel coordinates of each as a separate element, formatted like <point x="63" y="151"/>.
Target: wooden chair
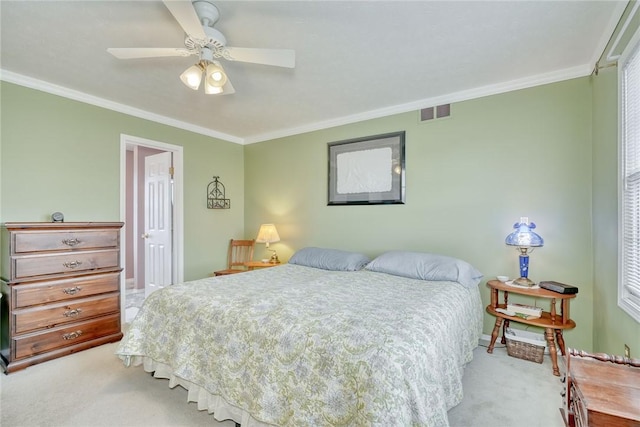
<point x="240" y="252"/>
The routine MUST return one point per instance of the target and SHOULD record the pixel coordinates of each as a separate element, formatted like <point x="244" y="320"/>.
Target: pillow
<point x="329" y="259"/>
<point x="424" y="266"/>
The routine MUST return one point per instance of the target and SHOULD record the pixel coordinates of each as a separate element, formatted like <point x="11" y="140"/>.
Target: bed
<point x="329" y="339"/>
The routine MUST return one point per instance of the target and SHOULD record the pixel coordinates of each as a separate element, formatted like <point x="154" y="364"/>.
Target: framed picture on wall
<point x="367" y="171"/>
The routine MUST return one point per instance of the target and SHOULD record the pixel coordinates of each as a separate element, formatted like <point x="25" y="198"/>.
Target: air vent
<point x="443" y="111"/>
<point x="438" y="112"/>
<point x="427" y="114"/>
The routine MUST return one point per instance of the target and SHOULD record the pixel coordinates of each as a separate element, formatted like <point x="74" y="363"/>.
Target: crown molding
<point x="495" y="89"/>
<point x="607" y="50"/>
<point x="75" y="95"/>
<point x="528" y="82"/>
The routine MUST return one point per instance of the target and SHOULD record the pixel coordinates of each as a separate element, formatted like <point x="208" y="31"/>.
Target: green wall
<point x="468" y="179"/>
<point x="548" y="152"/>
<point x="612" y="326"/>
<point x="64" y="155"/>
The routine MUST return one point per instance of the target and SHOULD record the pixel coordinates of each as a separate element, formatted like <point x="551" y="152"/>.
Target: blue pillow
<point x="329" y="259"/>
<point x="425" y="266"/>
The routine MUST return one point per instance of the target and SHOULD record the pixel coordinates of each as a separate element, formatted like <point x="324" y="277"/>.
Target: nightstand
<point x="552" y="322"/>
<point x="252" y="265"/>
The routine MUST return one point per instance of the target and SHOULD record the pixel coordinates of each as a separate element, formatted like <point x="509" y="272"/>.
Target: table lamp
<point x="524" y="239"/>
<point x="269" y="234"/>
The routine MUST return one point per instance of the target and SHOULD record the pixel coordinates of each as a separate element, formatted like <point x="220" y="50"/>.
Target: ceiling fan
<point x="197" y="19"/>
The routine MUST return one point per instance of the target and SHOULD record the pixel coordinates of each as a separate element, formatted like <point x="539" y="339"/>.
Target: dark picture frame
<point x="367" y="171"/>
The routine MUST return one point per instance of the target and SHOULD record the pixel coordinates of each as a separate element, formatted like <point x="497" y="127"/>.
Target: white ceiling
<point x="355" y="60"/>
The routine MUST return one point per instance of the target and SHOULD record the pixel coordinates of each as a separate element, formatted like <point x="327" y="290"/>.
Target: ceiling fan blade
<point x="186" y="16"/>
<point x="146" y="52"/>
<point x="276" y="57"/>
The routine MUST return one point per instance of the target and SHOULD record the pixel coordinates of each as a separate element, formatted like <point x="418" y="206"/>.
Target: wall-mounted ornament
<point x="367" y="171"/>
<point x="215" y="195"/>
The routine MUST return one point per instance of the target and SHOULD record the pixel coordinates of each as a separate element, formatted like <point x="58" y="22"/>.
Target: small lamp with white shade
<point x="269" y="234"/>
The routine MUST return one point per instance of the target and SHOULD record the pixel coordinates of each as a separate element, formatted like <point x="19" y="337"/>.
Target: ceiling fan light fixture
<point x="215" y="75"/>
<point x="192" y="76"/>
<point x="212" y="90"/>
<point x="197" y="18"/>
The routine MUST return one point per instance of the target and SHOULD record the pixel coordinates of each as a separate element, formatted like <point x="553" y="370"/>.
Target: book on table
<point x="527" y="310"/>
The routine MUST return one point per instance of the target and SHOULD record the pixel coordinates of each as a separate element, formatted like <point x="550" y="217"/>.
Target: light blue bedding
<point x="299" y="346"/>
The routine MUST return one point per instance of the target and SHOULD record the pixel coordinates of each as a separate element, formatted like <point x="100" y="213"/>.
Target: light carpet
<point x="93" y="388"/>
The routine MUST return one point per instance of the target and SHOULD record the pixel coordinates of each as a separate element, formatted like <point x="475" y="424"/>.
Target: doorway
<point x="137" y="260"/>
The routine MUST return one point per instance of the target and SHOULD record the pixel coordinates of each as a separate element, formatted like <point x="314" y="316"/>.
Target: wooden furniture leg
<point x="560" y="340"/>
<point x="505" y="325"/>
<point x="494" y="334"/>
<point x="552" y="350"/>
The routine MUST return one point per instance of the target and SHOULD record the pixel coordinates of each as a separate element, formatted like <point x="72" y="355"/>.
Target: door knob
<point x="145" y="236"/>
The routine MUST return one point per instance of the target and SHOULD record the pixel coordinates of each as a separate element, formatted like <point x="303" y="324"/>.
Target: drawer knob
<point x="72" y="335"/>
<point x="72" y="264"/>
<point x="72" y="291"/>
<point x="72" y="313"/>
<point x="71" y="242"/>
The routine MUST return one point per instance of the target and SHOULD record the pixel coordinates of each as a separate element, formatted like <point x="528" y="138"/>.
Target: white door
<point x="157" y="222"/>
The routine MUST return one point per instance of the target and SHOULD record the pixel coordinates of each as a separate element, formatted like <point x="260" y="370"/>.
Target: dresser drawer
<point x="26" y="242"/>
<point x="31" y="266"/>
<point x="60" y="288"/>
<point x="51" y="315"/>
<point x="25" y="295"/>
<point x="51" y="339"/>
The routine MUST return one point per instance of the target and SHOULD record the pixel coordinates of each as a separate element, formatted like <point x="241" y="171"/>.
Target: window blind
<point x="630" y="215"/>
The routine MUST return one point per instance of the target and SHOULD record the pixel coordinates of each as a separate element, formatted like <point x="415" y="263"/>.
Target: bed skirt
<point x="212" y="403"/>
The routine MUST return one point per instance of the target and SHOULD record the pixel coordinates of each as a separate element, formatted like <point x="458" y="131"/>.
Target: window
<point x="629" y="238"/>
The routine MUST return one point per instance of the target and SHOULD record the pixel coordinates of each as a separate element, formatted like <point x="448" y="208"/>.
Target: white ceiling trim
<point x="580" y="45"/>
<point x="75" y="95"/>
<point x="467" y="95"/>
<point x="538" y="80"/>
<point x="610" y="56"/>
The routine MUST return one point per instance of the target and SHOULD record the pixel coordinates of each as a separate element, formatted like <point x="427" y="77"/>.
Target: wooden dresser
<point x="60" y="290"/>
<point x="601" y="391"/>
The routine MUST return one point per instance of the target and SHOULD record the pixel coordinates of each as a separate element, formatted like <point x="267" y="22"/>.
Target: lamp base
<point x="274" y="258"/>
<point x="524" y="281"/>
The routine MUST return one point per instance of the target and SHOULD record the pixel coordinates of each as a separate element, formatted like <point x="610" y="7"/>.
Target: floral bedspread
<point x="298" y="346"/>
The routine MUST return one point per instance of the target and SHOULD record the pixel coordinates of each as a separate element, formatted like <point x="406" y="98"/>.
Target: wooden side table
<point x="252" y="265"/>
<point x="553" y="323"/>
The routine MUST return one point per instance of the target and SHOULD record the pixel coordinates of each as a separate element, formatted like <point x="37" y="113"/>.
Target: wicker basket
<point x="525" y="345"/>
